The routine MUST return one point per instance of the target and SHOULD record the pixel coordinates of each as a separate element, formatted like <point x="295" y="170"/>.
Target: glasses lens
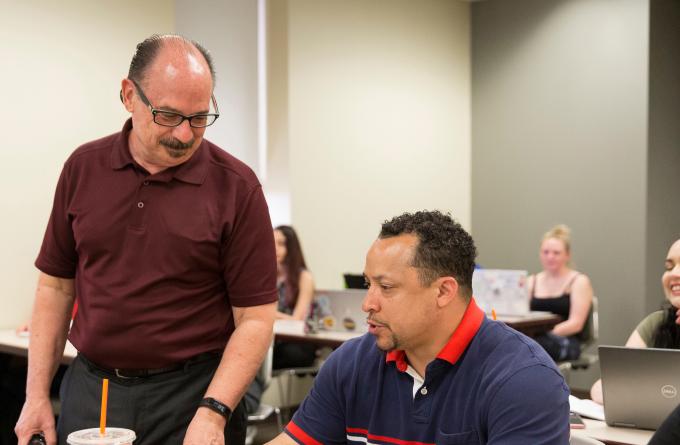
<point x="167" y="118"/>
<point x="203" y="120"/>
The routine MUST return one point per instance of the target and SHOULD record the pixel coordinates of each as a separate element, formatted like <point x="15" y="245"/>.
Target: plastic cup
<point x="91" y="436"/>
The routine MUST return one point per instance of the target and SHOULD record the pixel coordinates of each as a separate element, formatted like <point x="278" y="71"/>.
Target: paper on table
<point x="586" y="407"/>
<point x="294" y="327"/>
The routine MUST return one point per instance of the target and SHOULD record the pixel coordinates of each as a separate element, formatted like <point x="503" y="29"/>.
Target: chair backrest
<point x="265" y="371"/>
<point x="591" y="330"/>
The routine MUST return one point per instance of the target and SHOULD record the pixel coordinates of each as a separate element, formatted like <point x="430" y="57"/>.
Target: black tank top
<point x="558" y="305"/>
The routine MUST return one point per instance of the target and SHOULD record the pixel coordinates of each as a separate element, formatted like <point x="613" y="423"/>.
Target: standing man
<point x="166" y="241"/>
<point x="432" y="369"/>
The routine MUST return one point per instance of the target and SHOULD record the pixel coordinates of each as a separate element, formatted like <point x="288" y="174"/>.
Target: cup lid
<point x="91" y="436"/>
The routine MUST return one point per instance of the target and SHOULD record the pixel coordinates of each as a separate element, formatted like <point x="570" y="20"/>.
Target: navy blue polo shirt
<point x="489" y="385"/>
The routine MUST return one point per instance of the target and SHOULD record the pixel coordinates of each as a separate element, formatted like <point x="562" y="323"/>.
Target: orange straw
<point x="105" y="397"/>
<point x="493" y="314"/>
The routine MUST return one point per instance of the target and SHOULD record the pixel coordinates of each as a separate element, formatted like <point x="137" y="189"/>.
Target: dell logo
<point x="669" y="391"/>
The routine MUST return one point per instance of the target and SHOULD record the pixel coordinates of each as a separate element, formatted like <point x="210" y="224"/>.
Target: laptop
<point x="504" y="291"/>
<point x="340" y="310"/>
<point x="640" y="385"/>
<point x="354" y="281"/>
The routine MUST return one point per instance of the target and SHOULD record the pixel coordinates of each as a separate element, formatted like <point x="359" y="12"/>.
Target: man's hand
<point x="206" y="428"/>
<point x="36" y="416"/>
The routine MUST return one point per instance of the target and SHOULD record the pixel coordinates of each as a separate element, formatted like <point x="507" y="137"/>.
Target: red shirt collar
<point x="460" y="339"/>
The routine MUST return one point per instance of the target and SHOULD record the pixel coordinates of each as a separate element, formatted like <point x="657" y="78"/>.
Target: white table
<point x="12" y="343"/>
<point x="15" y="344"/>
<point x="531" y="324"/>
<point x="293" y="331"/>
<point x="597" y="429"/>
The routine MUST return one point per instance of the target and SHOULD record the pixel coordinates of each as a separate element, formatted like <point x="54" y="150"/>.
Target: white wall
<point x="277" y="183"/>
<point x="228" y="29"/>
<point x="378" y="100"/>
<point x="62" y="63"/>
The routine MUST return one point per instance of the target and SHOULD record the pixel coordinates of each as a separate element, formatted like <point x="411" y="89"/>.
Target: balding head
<point x="184" y="54"/>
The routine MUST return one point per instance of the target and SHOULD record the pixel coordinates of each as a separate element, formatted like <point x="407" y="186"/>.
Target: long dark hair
<point x="294" y="264"/>
<point x="667" y="335"/>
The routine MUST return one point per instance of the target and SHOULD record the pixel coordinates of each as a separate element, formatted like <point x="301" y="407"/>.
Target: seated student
<point x="563" y="291"/>
<point x="432" y="368"/>
<point x="296" y="292"/>
<point x="660" y="329"/>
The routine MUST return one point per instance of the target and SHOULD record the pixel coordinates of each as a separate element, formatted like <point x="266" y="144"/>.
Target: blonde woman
<point x="563" y="291"/>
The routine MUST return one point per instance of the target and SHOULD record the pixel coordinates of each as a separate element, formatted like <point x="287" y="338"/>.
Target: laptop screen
<point x="640" y="385"/>
<point x="504" y="291"/>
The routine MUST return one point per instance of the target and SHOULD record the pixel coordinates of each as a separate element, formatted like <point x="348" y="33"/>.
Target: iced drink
<point x="91" y="436"/>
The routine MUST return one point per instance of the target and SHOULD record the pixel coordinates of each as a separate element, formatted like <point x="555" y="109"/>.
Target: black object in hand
<point x="37" y="439"/>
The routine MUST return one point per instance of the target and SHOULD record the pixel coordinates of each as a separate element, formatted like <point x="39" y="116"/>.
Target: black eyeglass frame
<point x="155" y="111"/>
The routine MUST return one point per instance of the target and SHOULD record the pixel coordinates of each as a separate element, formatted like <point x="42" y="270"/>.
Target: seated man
<point x="433" y="368"/>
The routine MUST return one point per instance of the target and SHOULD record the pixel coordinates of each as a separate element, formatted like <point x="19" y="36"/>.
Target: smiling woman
<point x="660" y="329"/>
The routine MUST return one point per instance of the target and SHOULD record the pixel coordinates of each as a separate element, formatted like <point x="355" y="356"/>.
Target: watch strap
<point x="217" y="406"/>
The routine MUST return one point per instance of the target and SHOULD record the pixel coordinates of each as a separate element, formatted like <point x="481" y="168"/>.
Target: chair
<point x="589" y="337"/>
<point x="286" y="397"/>
<point x="264" y="411"/>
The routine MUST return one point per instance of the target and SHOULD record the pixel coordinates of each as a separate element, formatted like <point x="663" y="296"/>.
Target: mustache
<point x="176" y="144"/>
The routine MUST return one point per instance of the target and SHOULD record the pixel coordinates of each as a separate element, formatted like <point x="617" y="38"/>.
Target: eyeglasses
<point x="172" y="119"/>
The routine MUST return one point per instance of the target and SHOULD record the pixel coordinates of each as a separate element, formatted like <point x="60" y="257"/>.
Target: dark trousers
<point x="559" y="348"/>
<point x="158" y="408"/>
<point x="13" y="371"/>
<point x="12" y="395"/>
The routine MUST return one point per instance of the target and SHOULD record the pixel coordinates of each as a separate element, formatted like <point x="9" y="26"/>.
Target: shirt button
<point x="140" y="204"/>
<point x="145" y="182"/>
<point x="423" y="390"/>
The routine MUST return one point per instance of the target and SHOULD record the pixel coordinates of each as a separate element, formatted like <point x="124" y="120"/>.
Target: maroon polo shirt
<point x="158" y="260"/>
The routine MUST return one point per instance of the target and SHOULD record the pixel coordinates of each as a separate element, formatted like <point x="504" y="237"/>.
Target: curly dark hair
<point x="444" y="247"/>
<point x="148" y="49"/>
<point x="667" y="335"/>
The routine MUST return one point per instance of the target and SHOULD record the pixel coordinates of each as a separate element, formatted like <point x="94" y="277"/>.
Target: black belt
<point x="141" y="373"/>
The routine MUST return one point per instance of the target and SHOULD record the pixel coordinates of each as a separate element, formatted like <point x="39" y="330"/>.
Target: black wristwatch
<point x="217" y="406"/>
